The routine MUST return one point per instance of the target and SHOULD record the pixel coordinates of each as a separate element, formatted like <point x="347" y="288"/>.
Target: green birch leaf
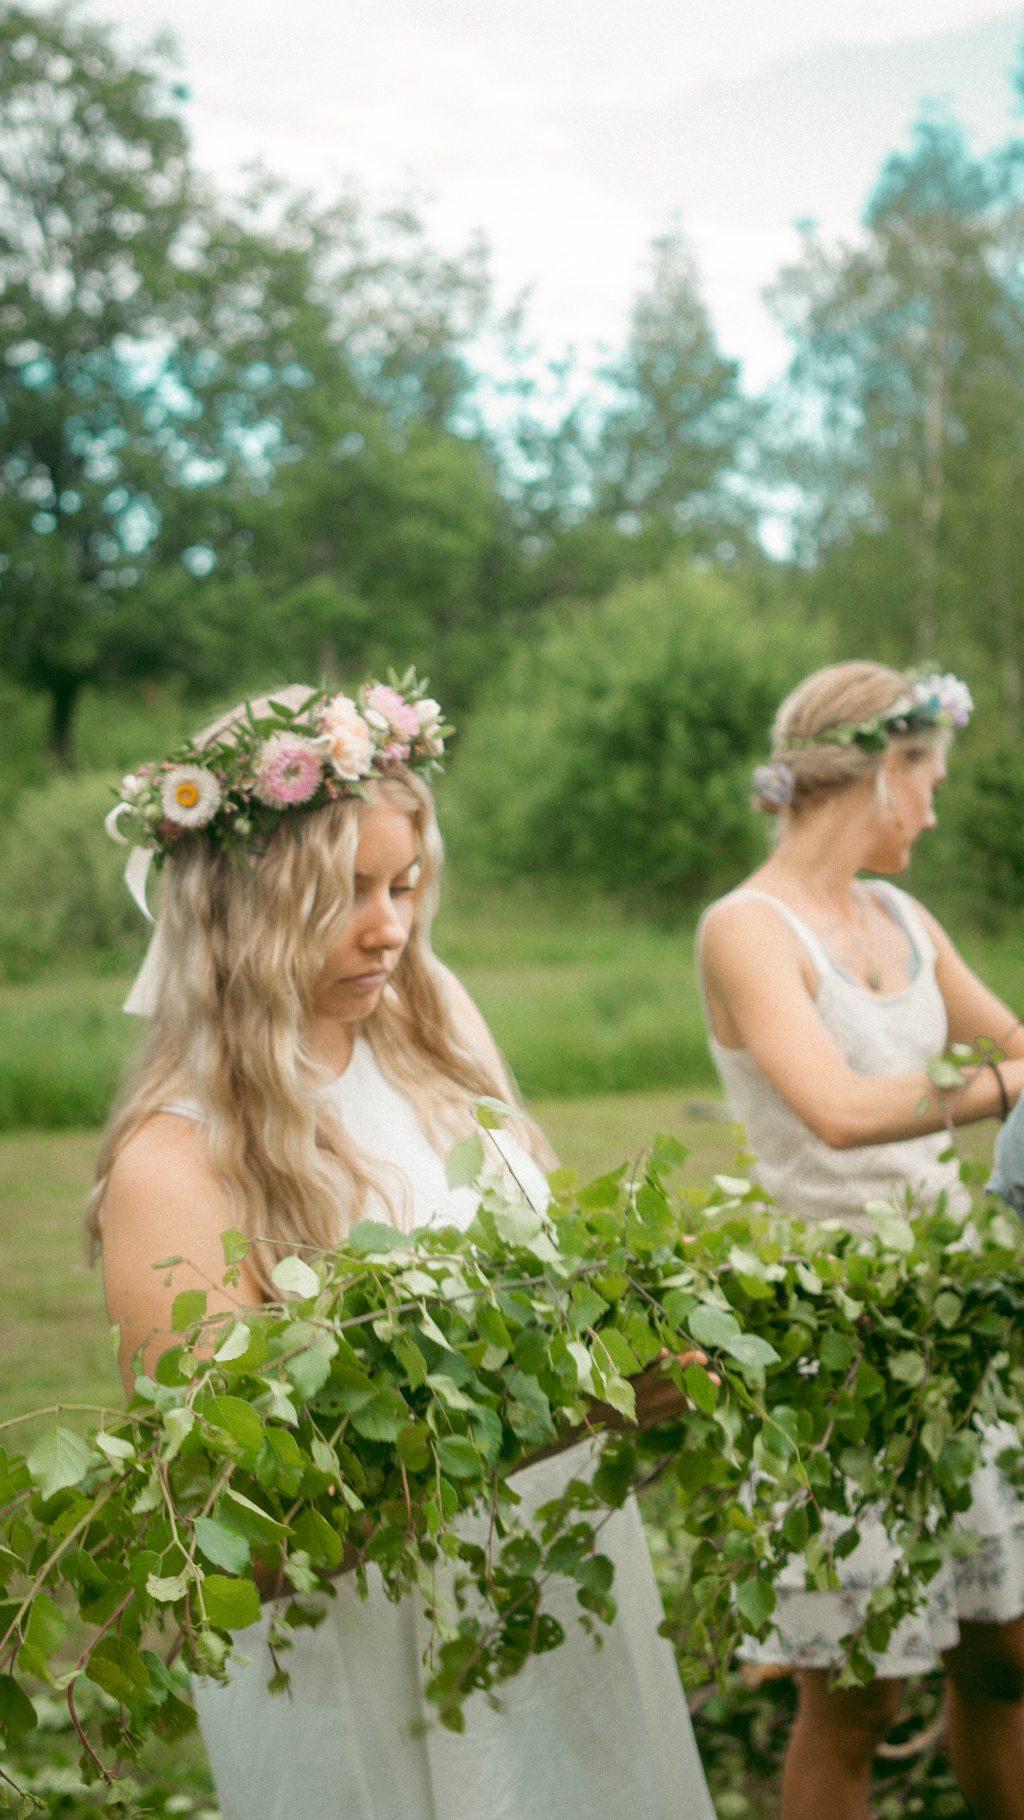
<point x="188" y="1308"/>
<point x="310" y="1369"/>
<point x="907" y="1367"/>
<point x="321" y="1542"/>
<point x="755" y="1599"/>
<point x="617" y="1348"/>
<point x="116" y="1665"/>
<point x="519" y="1224"/>
<point x="948" y="1308"/>
<point x="700" y="1390"/>
<point x="236" y="1418"/>
<point x="167" y="1590"/>
<point x="448" y="1391"/>
<point x="230" y="1604"/>
<point x="223" y="1547"/>
<point x="235" y="1345"/>
<point x="114" y="1446"/>
<point x="293" y="1276"/>
<point x="46" y="1625"/>
<point x="713" y="1327"/>
<point x="492" y="1114"/>
<point x="149" y="1497"/>
<point x="621" y="1395"/>
<point x="178" y="1422"/>
<point x="587" y="1307"/>
<point x="372" y="1238"/>
<point x="381" y="1418"/>
<point x="17" y="1714"/>
<point x="59" y="1458"/>
<point x="584" y="1364"/>
<point x="236" y="1246"/>
<point x="251" y="1520"/>
<point x="458" y="1457"/>
<point x="464" y="1162"/>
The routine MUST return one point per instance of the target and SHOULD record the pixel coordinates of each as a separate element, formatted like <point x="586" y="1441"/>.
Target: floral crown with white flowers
<point x="233" y="787"/>
<point x="931" y="702"/>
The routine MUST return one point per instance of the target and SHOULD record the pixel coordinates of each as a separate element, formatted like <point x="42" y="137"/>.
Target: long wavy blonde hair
<point x="244" y="946"/>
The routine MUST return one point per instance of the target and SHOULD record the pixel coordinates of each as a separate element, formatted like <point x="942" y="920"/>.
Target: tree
<point x="670" y="442"/>
<point x="206" y="407"/>
<point x="617" y="748"/>
<point x="908" y="379"/>
<point x="94" y="197"/>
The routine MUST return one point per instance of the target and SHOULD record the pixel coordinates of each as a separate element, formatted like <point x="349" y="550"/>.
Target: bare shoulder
<point x="738" y="930"/>
<point x="163" y="1183"/>
<point x="164" y="1201"/>
<point x="167" y="1154"/>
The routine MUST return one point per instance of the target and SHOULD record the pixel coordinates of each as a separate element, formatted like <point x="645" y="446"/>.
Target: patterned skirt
<point x="984" y="1587"/>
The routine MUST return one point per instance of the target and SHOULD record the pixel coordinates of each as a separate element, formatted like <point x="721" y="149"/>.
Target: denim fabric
<point x="1007" y="1178"/>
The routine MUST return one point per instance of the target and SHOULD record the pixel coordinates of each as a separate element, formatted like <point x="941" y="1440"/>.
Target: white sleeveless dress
<point x="583" y="1733"/>
<point x="878" y="1033"/>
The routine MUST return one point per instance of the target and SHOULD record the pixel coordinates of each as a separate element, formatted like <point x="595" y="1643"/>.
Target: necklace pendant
<point x="873" y="979"/>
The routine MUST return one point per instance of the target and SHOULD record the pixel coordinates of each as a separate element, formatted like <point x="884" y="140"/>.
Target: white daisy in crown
<point x="190" y="796"/>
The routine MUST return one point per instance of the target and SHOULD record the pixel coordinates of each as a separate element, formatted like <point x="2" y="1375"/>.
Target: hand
<point x="658" y="1398"/>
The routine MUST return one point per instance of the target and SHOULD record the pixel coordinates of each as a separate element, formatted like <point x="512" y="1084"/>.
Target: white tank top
<point x="878" y="1033"/>
<point x="382" y="1121"/>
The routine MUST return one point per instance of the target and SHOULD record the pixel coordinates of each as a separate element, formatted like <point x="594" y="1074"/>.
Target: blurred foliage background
<point x="244" y="439"/>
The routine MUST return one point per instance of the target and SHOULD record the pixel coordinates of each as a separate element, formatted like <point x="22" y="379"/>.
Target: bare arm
<point x="973" y="1011"/>
<point x="761" y="989"/>
<point x="164" y="1200"/>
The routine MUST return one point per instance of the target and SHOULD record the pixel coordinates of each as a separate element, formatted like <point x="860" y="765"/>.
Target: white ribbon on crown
<point x="145" y="988"/>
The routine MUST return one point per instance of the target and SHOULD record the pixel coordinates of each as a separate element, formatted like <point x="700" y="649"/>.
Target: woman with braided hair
<point x="310" y="1062"/>
<point x="826" y="997"/>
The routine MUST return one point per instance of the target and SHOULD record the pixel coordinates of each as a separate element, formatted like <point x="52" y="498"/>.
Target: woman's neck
<point x="332" y="1041"/>
<point x="820" y="857"/>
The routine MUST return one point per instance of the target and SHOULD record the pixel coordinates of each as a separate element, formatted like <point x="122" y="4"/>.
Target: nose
<point x="383" y="930"/>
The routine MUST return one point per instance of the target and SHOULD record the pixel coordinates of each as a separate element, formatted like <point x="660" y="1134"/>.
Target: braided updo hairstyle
<point x="806" y="763"/>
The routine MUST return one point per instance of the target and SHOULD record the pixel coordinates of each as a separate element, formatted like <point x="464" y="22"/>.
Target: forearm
<point x="885" y="1109"/>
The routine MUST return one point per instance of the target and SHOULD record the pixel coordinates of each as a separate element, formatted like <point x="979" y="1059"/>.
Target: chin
<point x="888" y="865"/>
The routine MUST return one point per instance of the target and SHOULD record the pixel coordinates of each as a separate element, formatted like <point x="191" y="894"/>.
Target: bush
<point x="617" y="748"/>
<point x="992" y="829"/>
<point x="62" y="896"/>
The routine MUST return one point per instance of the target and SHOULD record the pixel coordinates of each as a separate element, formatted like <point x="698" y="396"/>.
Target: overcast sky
<point x="571" y="131"/>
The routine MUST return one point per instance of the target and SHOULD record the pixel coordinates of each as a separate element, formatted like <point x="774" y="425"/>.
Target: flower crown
<point x="932" y="701"/>
<point x="233" y="787"/>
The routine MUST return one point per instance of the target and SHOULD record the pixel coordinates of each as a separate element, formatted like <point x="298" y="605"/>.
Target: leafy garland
<point x="401" y="1382"/>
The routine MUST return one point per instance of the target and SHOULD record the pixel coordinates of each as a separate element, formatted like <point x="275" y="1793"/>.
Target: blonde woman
<point x="826" y="997"/>
<point x="309" y="1064"/>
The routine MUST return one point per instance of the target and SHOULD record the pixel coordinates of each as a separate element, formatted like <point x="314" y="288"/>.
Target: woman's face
<point x="907" y="807"/>
<point x="372" y="941"/>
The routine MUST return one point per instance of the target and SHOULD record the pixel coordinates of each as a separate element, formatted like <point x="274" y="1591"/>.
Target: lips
<point x="365" y="981"/>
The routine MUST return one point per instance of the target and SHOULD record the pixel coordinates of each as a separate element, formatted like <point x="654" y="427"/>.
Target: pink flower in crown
<point x="394" y="710"/>
<point x="394" y="753"/>
<point x="289" y="771"/>
<point x="350" y="742"/>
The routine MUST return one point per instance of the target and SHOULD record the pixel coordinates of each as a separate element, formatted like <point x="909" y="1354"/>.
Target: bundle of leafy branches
<point x="374" y="1420"/>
